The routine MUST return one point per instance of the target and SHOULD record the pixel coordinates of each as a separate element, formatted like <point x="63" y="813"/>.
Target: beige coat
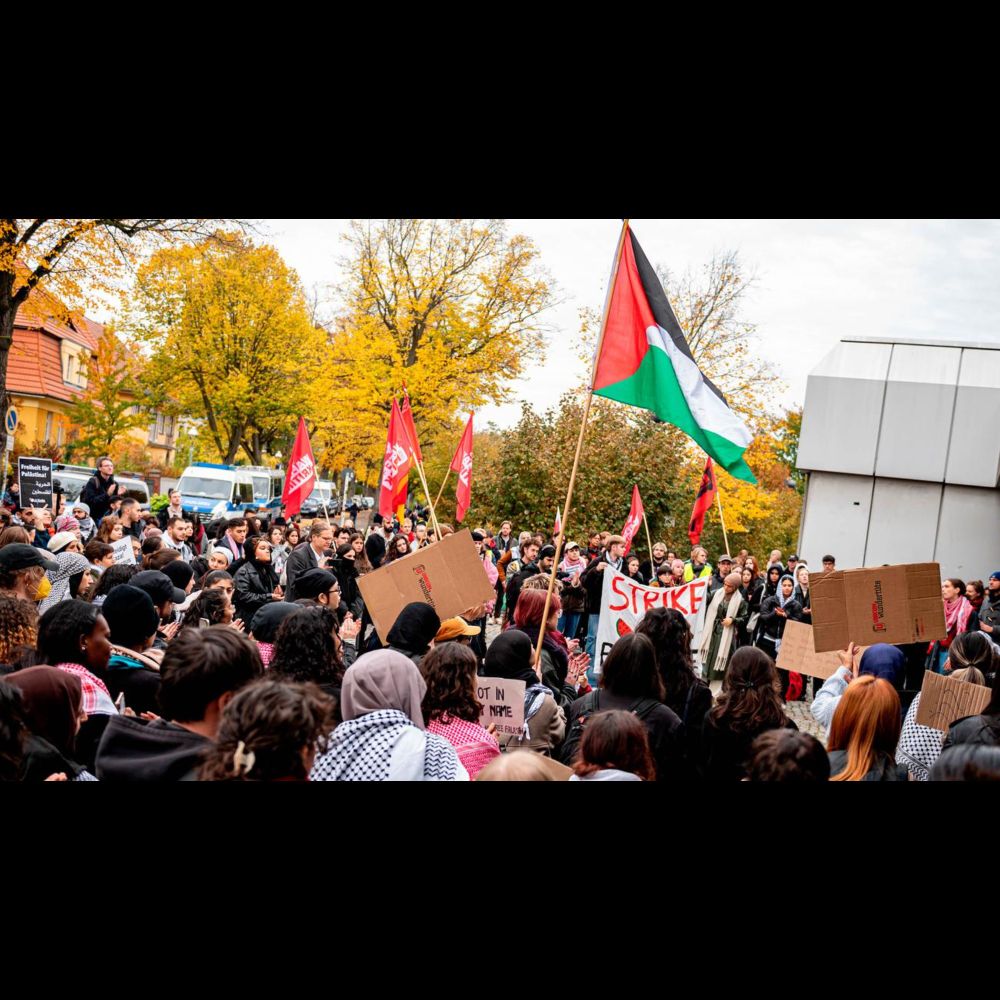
<point x="547" y="728"/>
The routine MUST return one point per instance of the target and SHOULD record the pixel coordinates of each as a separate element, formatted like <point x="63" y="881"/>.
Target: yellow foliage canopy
<point x="449" y="307"/>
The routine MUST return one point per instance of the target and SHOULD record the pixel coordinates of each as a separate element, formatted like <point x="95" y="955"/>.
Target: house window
<point x="59" y="434"/>
<point x="48" y="426"/>
<point x="159" y="425"/>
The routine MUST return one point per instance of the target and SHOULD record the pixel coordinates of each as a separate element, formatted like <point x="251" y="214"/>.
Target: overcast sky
<point x="818" y="280"/>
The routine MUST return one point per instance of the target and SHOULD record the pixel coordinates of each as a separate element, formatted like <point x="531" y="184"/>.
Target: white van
<point x="216" y="490"/>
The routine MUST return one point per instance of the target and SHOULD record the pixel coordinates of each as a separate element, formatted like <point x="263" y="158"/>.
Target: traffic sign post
<point x="10" y="422"/>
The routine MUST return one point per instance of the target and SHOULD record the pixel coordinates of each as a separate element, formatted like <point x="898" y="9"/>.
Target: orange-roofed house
<point x="47" y="373"/>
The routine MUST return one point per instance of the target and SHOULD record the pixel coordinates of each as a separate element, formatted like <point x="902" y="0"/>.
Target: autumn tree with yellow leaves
<point x="452" y="308"/>
<point x="230" y="339"/>
<point x="113" y="402"/>
<point x="79" y="261"/>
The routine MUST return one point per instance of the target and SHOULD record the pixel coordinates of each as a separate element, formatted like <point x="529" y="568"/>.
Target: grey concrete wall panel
<point x="968" y="542"/>
<point x="835" y="519"/>
<point x="916" y="419"/>
<point x="843" y="409"/>
<point x="903" y="522"/>
<point x="974" y="453"/>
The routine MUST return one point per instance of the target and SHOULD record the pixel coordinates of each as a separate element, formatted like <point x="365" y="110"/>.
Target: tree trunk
<point x="8" y="312"/>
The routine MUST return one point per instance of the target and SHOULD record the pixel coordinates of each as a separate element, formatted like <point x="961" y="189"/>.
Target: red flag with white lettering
<point x="411" y="427"/>
<point x="300" y="477"/>
<point x="395" y="465"/>
<point x="634" y="519"/>
<point x="462" y="464"/>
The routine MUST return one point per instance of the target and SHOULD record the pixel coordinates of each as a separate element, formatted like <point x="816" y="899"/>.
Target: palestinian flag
<point x="645" y="361"/>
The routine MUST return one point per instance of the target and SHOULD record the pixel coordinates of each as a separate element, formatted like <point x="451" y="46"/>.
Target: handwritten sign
<point x="503" y="705"/>
<point x="35" y="481"/>
<point x="944" y="700"/>
<point x="124" y="556"/>
<point x="799" y="654"/>
<point x="624" y="602"/>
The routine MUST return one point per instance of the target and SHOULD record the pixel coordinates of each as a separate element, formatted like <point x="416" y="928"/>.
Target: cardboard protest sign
<point x="34" y="476"/>
<point x="799" y="654"/>
<point x="448" y="575"/>
<point x="503" y="705"/>
<point x="944" y="700"/>
<point x="893" y="604"/>
<point x="624" y="602"/>
<point x="124" y="555"/>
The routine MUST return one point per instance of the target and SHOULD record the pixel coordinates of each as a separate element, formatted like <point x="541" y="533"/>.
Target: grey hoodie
<point x="609" y="774"/>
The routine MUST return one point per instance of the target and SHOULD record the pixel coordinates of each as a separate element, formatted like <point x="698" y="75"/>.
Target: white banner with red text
<point x="624" y="602"/>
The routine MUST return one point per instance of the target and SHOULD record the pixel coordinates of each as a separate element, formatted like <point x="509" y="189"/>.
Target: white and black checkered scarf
<point x="386" y="746"/>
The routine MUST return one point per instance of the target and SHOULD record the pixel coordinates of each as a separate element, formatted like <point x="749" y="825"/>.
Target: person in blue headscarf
<point x="880" y="660"/>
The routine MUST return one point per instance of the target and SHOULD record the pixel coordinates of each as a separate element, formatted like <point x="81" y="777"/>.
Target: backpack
<point x="571" y="744"/>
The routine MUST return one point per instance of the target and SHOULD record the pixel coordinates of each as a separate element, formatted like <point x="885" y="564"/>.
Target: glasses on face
<point x="334" y="590"/>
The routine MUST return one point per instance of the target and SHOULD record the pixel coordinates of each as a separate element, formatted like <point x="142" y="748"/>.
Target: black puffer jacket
<point x="981" y="729"/>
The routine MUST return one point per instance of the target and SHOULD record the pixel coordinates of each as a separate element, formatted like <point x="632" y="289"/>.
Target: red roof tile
<point x="43" y="311"/>
<point x="35" y="366"/>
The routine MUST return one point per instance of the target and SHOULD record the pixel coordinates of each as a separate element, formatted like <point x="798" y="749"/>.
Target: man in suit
<point x="310" y="555"/>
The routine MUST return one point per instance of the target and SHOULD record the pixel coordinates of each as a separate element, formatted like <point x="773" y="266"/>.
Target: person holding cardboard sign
<point x="880" y="660"/>
<point x="980" y="729"/>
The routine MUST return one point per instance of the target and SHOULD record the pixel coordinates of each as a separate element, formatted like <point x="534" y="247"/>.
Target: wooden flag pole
<point x="427" y="493"/>
<point x="649" y="542"/>
<point x="567" y="507"/>
<point x="718" y="500"/>
<point x="443" y="483"/>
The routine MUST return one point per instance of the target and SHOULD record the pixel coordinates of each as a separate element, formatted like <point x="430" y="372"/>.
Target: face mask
<point x="44" y="589"/>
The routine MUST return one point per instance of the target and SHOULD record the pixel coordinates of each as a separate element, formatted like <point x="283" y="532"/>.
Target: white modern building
<point x="901" y="441"/>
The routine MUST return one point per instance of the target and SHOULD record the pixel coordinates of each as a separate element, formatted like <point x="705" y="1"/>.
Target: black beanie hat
<point x="130" y="615"/>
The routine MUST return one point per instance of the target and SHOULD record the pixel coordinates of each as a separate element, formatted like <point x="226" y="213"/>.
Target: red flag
<point x="411" y="427"/>
<point x="300" y="478"/>
<point x="395" y="465"/>
<point x="703" y="501"/>
<point x="634" y="519"/>
<point x="462" y="464"/>
<point x="557" y="529"/>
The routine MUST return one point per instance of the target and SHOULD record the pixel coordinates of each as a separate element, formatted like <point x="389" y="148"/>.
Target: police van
<point x="268" y="485"/>
<point x="216" y="490"/>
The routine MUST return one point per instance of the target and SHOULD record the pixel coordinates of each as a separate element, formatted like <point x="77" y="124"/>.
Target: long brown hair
<point x="450" y="673"/>
<point x="750" y="702"/>
<point x="866" y="724"/>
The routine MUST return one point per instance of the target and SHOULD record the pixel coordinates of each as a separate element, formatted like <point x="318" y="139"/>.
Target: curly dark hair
<point x="111" y="578"/>
<point x="450" y="673"/>
<point x="670" y="634"/>
<point x="750" y="701"/>
<point x="305" y="650"/>
<point x="18" y="628"/>
<point x="13" y="732"/>
<point x="275" y="720"/>
<point x="210" y="604"/>
<point x="61" y="628"/>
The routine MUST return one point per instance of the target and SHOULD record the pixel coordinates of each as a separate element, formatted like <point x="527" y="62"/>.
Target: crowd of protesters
<point x="242" y="650"/>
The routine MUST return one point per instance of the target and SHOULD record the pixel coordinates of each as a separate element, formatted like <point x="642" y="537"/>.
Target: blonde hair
<point x="518" y="765"/>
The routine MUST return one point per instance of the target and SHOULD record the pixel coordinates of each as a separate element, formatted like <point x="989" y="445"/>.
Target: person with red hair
<point x="864" y="733"/>
<point x="562" y="664"/>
